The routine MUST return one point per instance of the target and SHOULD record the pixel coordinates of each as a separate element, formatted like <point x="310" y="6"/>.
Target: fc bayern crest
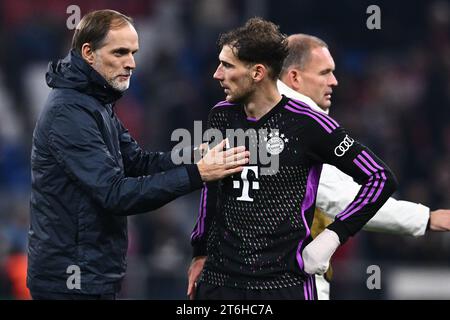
<point x="275" y="142"/>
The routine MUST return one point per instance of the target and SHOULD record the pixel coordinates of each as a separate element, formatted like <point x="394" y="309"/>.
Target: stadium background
<point x="393" y="94"/>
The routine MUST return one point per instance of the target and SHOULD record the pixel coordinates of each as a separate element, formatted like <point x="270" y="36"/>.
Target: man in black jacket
<point x="88" y="173"/>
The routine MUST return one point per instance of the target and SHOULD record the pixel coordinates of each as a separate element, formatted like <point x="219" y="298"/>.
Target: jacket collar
<point x="74" y="72"/>
<point x="290" y="93"/>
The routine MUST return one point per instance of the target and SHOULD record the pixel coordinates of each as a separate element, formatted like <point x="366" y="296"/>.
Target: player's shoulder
<point x="308" y="115"/>
<point x="221" y="105"/>
<point x="224" y="106"/>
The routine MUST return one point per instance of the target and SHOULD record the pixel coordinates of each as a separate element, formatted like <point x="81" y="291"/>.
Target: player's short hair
<point x="258" y="41"/>
<point x="300" y="47"/>
<point x="94" y="27"/>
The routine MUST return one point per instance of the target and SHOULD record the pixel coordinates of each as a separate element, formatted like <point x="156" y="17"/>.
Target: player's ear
<point x="259" y="71"/>
<point x="87" y="53"/>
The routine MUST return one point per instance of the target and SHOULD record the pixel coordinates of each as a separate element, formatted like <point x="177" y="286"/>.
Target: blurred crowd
<point x="393" y="94"/>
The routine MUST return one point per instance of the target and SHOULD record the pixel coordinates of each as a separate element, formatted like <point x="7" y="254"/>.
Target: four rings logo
<point x="343" y="147"/>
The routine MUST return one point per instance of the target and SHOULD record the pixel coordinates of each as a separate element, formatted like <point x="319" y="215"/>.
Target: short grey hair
<point x="300" y="46"/>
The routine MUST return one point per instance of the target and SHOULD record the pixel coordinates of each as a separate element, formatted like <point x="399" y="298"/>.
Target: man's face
<point x="234" y="76"/>
<point x="317" y="78"/>
<point x="115" y="60"/>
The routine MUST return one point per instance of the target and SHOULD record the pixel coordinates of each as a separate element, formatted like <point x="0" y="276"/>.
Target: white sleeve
<point x="336" y="190"/>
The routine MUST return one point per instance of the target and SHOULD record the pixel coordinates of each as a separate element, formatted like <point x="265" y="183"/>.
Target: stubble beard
<point x="121" y="86"/>
<point x="113" y="81"/>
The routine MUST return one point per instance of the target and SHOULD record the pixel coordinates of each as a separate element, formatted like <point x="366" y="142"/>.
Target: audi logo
<point x="343" y="147"/>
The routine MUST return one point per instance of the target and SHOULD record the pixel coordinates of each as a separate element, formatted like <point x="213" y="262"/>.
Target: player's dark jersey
<point x="254" y="225"/>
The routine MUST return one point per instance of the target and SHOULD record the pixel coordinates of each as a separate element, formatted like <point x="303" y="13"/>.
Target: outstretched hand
<point x="440" y="220"/>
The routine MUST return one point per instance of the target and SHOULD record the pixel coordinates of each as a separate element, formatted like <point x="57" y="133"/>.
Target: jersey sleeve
<point x="336" y="190"/>
<point x="327" y="142"/>
<point x="206" y="214"/>
<point x="207" y="210"/>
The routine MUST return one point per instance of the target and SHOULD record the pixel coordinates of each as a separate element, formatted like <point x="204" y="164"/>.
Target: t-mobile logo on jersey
<point x="246" y="184"/>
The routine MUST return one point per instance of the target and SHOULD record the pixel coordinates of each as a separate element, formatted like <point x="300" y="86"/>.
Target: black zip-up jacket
<point x="88" y="175"/>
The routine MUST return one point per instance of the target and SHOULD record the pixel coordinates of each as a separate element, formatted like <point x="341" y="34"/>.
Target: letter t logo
<point x="246" y="184"/>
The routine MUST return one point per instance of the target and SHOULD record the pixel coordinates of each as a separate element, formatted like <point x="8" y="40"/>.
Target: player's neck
<point x="262" y="101"/>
